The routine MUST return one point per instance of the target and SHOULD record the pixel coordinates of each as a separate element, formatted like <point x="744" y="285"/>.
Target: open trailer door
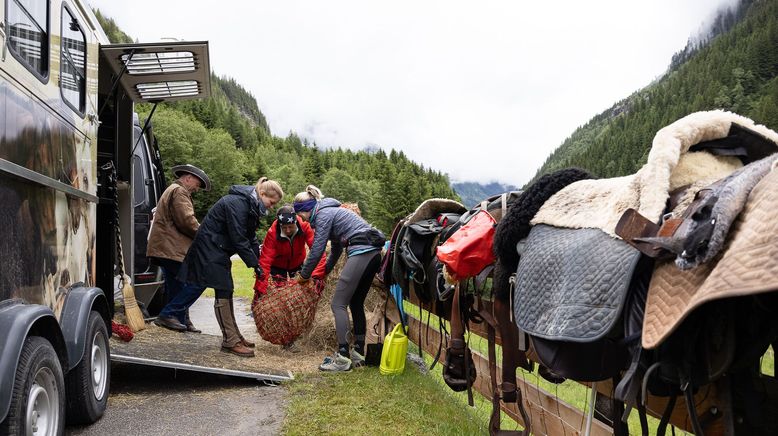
<point x="155" y="73"/>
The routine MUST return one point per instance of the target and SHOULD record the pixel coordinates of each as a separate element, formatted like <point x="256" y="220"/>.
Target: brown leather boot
<point x="239" y="350"/>
<point x="230" y="333"/>
<point x="243" y="340"/>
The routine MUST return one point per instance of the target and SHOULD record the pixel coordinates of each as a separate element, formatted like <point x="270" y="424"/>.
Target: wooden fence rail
<point x="548" y="414"/>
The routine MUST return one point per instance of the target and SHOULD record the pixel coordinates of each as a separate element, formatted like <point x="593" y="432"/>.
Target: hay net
<point x="288" y="310"/>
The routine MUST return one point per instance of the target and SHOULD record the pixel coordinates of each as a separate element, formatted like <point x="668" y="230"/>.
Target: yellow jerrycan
<point x="394" y="352"/>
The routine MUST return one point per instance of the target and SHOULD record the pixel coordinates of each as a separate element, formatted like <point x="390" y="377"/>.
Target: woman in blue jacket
<point x="363" y="242"/>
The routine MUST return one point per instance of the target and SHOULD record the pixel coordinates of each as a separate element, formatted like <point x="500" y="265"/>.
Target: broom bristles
<point x="131" y="310"/>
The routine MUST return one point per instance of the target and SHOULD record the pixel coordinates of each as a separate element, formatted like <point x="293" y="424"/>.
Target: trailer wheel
<point x="38" y="399"/>
<point x="88" y="383"/>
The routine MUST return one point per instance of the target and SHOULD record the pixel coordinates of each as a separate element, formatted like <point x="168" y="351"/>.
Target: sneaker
<point x="335" y="363"/>
<point x="292" y="347"/>
<point x="357" y="359"/>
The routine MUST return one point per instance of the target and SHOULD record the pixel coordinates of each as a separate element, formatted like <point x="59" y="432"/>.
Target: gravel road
<point x="147" y="400"/>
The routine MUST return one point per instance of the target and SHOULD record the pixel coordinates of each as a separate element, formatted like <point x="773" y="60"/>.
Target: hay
<point x="313" y="345"/>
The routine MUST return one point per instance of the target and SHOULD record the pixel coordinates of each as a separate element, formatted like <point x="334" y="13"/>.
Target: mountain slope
<point x="472" y="193"/>
<point x="227" y="135"/>
<point x="736" y="70"/>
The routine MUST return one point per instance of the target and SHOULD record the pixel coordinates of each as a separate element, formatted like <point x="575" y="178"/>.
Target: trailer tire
<point x="38" y="399"/>
<point x="88" y="383"/>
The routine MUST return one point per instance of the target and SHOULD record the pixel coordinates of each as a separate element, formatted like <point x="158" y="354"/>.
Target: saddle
<point x="571" y="286"/>
<point x="576" y="277"/>
<point x="690" y="151"/>
<point x="413" y="252"/>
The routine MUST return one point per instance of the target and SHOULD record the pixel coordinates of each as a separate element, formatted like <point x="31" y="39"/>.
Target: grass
<point x="366" y="402"/>
<point x="768" y="362"/>
<point x="243" y="279"/>
<point x="571" y="392"/>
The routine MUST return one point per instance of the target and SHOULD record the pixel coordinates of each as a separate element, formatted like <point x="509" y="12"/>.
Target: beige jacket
<point x="174" y="225"/>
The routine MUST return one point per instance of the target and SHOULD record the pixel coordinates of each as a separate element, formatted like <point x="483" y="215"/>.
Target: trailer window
<point x="138" y="182"/>
<point x="28" y="34"/>
<point x="73" y="63"/>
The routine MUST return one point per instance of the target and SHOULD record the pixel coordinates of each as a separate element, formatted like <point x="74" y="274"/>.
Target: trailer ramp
<point x="158" y="347"/>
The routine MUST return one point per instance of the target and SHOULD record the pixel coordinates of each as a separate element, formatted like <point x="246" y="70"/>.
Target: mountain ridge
<point x="734" y="68"/>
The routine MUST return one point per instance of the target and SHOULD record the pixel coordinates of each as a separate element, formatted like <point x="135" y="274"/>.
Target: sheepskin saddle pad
<point x="747" y="265"/>
<point x="571" y="284"/>
<point x="696" y="150"/>
<point x="432" y="207"/>
<point x="700" y="234"/>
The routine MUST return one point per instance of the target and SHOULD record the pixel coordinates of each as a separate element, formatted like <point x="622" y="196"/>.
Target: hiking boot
<point x="336" y="363"/>
<point x="291" y="347"/>
<point x="239" y="350"/>
<point x="357" y="359"/>
<point x="170" y="323"/>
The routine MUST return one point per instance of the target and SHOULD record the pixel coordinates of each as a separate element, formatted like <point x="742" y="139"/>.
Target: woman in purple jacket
<point x="344" y="229"/>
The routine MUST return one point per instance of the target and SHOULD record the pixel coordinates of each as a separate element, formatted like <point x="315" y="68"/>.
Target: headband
<point x="305" y="206"/>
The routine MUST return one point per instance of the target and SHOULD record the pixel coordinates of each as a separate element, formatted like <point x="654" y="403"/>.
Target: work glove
<point x="258" y="273"/>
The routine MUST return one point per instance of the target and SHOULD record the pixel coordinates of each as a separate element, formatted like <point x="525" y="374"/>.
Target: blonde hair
<point x="269" y="187"/>
<point x="311" y="192"/>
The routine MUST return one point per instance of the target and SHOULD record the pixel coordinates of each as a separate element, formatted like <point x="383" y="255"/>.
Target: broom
<point x="131" y="310"/>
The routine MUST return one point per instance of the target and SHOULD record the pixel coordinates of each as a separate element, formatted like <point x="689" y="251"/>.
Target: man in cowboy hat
<point x="171" y="234"/>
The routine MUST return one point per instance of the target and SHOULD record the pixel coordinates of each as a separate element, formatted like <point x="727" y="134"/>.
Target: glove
<point x="301" y="280"/>
<point x="258" y="273"/>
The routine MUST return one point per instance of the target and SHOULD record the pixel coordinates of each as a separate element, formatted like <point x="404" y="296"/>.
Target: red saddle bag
<point x="469" y="250"/>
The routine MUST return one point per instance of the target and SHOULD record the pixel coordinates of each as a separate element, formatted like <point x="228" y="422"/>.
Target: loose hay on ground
<point x="321" y="337"/>
<point x="313" y="345"/>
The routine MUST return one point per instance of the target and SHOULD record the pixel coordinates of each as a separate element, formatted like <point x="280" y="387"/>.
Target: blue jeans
<point x="180" y="295"/>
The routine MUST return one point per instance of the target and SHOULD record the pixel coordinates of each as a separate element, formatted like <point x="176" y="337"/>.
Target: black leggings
<point x="351" y="291"/>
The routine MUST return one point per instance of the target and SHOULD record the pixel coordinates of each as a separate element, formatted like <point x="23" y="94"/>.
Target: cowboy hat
<point x="180" y="170"/>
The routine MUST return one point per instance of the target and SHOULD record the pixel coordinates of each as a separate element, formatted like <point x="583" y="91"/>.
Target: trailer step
<point x="278" y="376"/>
<point x="191" y="352"/>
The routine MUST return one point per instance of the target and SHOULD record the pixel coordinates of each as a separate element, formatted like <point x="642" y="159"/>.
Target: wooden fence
<point x="548" y="413"/>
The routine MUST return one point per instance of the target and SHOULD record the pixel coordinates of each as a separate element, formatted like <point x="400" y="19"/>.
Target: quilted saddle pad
<point x="571" y="284"/>
<point x="748" y="265"/>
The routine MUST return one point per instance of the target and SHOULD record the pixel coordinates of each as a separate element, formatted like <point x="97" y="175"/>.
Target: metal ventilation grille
<point x="160" y="62"/>
<point x="162" y="90"/>
<point x="157" y="72"/>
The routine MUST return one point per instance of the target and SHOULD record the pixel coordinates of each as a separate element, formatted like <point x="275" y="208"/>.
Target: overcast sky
<point x="481" y="90"/>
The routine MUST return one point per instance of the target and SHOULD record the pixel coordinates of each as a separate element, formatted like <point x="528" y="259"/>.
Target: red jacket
<point x="279" y="252"/>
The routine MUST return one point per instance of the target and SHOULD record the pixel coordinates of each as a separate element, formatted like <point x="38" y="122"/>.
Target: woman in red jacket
<point x="284" y="250"/>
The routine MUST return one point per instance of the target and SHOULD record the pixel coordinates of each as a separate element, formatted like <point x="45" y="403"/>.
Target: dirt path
<point x="162" y="401"/>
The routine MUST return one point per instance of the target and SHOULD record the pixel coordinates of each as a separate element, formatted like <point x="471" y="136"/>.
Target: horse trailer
<point x="79" y="176"/>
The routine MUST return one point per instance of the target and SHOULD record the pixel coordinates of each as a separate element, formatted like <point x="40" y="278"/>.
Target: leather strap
<point x="691" y="407"/>
<point x="643" y="234"/>
<point x="510" y="392"/>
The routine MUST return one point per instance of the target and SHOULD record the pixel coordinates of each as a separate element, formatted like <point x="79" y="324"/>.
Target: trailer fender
<point x="17" y="321"/>
<point x="79" y="302"/>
